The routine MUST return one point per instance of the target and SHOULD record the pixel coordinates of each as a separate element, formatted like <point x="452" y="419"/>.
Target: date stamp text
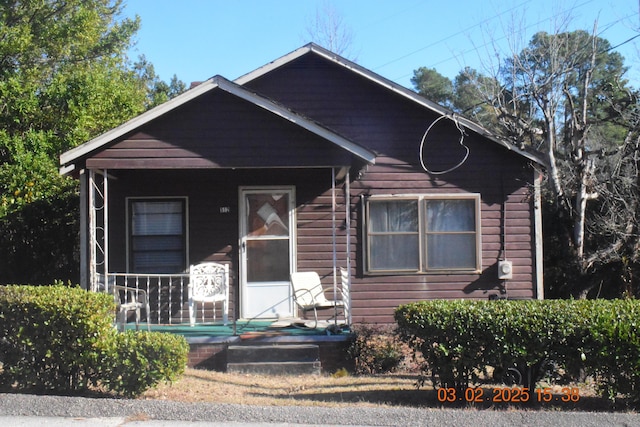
<point x="508" y="395"/>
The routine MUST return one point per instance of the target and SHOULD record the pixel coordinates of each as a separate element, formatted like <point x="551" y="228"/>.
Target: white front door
<point x="267" y="251"/>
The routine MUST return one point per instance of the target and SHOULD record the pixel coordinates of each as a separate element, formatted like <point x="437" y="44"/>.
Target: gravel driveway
<point x="141" y="410"/>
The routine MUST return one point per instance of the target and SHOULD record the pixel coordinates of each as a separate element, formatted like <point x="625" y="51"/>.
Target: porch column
<point x="98" y="228"/>
<point x="105" y="225"/>
<point x="345" y="280"/>
<point x="333" y="237"/>
<point x="84" y="228"/>
<point x="347" y="223"/>
<point x="93" y="277"/>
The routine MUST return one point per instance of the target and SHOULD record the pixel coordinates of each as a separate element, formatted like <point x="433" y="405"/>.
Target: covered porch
<point x="155" y="281"/>
<point x="219" y="175"/>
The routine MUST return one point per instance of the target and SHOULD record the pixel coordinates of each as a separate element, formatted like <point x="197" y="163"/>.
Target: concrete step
<point x="276" y="368"/>
<point x="273" y="353"/>
<point x="292" y="359"/>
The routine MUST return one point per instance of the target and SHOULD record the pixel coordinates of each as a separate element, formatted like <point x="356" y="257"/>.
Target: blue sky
<point x="197" y="39"/>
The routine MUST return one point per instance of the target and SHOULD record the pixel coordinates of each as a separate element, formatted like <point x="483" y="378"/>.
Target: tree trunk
<point x="582" y="196"/>
<point x="554" y="173"/>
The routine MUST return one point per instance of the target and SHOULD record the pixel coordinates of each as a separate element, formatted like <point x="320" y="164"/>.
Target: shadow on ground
<point x="429" y="398"/>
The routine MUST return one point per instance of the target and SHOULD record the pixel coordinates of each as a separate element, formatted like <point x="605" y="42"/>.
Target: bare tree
<point x="562" y="95"/>
<point x="615" y="214"/>
<point x="329" y="30"/>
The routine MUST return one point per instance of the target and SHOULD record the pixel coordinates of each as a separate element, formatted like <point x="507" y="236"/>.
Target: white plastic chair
<point x="131" y="299"/>
<point x="127" y="299"/>
<point x="209" y="282"/>
<point x="308" y="294"/>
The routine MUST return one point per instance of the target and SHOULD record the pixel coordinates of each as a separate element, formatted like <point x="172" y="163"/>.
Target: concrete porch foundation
<point x="213" y="352"/>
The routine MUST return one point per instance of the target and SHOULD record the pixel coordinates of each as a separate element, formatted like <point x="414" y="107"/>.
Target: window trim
<point x="185" y="226"/>
<point x="422" y="199"/>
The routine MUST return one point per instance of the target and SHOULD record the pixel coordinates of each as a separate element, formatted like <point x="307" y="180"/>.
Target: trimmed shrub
<point x="51" y="336"/>
<point x="446" y="333"/>
<point x="460" y="339"/>
<point x="137" y="361"/>
<point x="532" y="336"/>
<point x="612" y="348"/>
<point x="61" y="339"/>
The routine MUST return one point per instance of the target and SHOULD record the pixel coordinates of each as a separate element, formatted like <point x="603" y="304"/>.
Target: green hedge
<point x="140" y="360"/>
<point x="612" y="347"/>
<point x="61" y="339"/>
<point x="51" y="336"/>
<point x="460" y="339"/>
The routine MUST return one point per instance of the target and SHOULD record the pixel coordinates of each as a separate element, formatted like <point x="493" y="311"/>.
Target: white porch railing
<point x="167" y="294"/>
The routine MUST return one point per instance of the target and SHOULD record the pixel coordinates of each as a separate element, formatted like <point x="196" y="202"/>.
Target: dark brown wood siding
<point x="506" y="226"/>
<point x="219" y="130"/>
<point x="213" y="231"/>
<point x="220" y="133"/>
<point x="394" y="127"/>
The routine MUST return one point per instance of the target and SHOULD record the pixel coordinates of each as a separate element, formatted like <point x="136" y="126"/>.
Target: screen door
<point x="267" y="251"/>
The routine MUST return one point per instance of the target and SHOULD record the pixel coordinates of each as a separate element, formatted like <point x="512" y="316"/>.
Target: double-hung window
<point x="423" y="233"/>
<point x="157" y="235"/>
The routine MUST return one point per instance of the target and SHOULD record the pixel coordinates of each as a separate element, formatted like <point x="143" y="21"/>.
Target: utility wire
<point x="623" y="43"/>
<point x="526" y="28"/>
<point x="449" y="37"/>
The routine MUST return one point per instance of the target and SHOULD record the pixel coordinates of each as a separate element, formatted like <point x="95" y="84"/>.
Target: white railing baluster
<point x="163" y="283"/>
<point x="181" y="297"/>
<point x="148" y="289"/>
<point x="170" y="293"/>
<point x="159" y="300"/>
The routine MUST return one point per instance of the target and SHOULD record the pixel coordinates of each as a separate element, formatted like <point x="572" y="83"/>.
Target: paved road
<point x="119" y="422"/>
<point x="27" y="410"/>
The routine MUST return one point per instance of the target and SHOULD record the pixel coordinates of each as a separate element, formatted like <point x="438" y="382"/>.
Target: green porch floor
<point x="243" y="330"/>
<point x="209" y="342"/>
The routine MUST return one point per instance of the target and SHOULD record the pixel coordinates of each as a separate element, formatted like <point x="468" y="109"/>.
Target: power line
<point x="433" y="65"/>
<point x="624" y="42"/>
<point x="449" y="37"/>
<point x="529" y="27"/>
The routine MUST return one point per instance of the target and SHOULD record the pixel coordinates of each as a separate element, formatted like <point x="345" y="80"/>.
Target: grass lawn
<point x="369" y="390"/>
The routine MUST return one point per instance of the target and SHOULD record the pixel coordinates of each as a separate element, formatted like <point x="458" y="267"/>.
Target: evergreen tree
<point x="64" y="79"/>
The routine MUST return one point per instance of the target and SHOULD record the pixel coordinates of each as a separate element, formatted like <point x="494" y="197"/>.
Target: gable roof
<point x="236" y="88"/>
<point x="68" y="158"/>
<point x="389" y="85"/>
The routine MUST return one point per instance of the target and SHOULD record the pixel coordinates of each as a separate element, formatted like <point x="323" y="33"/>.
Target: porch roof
<point x="69" y="159"/>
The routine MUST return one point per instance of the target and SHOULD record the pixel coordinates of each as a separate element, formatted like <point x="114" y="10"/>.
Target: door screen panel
<point x="266" y="252"/>
<point x="267" y="260"/>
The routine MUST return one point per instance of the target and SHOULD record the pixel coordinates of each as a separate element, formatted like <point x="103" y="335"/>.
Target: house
<point x="309" y="163"/>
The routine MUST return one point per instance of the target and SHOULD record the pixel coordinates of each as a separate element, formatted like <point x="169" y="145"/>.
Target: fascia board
<point x="295" y="118"/>
<point x="67" y="158"/>
<point x="392" y="86"/>
<point x="144" y="118"/>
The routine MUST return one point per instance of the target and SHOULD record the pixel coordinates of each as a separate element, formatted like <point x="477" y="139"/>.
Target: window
<point x="394" y="235"/>
<point x="423" y="233"/>
<point x="157" y="240"/>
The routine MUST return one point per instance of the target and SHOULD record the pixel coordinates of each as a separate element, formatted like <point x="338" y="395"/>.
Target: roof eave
<point x="394" y="87"/>
<point x="68" y="159"/>
<point x="355" y="149"/>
